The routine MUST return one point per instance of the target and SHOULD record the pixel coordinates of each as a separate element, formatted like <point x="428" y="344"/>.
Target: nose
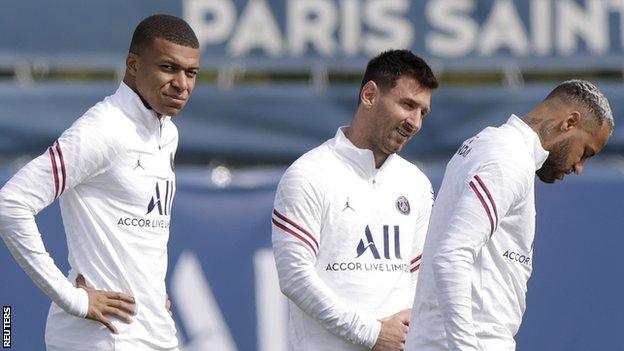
<point x="180" y="81"/>
<point x="413" y="123"/>
<point x="578" y="168"/>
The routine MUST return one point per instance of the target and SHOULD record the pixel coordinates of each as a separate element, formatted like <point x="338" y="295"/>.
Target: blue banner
<point x="282" y="34"/>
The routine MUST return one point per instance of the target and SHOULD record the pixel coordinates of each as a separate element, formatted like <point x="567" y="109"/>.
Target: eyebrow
<point x="408" y="100"/>
<point x="177" y="65"/>
<point x="425" y="109"/>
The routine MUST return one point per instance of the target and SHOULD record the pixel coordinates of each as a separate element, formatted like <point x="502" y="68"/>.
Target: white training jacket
<point x="347" y="240"/>
<point x="478" y="252"/>
<point x="112" y="172"/>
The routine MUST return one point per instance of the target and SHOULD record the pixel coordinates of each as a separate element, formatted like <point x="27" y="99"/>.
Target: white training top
<point x="478" y="251"/>
<point x="113" y="173"/>
<point x="347" y="240"/>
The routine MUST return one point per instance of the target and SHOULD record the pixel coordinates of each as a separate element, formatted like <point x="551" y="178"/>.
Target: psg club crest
<point x="403" y="205"/>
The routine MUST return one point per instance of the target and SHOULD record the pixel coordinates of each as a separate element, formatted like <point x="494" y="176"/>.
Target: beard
<point x="556" y="162"/>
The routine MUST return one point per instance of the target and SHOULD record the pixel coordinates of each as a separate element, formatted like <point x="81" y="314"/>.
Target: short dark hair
<point x="386" y="68"/>
<point x="587" y="95"/>
<point x="170" y="28"/>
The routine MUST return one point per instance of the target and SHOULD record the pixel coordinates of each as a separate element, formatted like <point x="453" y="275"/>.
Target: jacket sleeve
<point x="422" y="225"/>
<point x="297" y="222"/>
<point x="486" y="196"/>
<point x="81" y="152"/>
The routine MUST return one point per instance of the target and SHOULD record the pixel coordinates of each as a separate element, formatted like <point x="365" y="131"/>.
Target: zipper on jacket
<point x="160" y="124"/>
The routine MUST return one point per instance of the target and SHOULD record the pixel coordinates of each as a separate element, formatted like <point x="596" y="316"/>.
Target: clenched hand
<point x="393" y="332"/>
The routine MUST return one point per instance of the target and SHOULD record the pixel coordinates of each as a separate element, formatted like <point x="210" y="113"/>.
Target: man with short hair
<point x="350" y="218"/>
<point x="112" y="172"/>
<point x="479" y="248"/>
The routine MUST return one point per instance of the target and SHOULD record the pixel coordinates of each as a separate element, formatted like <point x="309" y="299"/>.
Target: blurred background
<point x="278" y="78"/>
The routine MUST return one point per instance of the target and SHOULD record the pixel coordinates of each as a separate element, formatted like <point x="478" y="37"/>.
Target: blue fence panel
<point x="273" y="124"/>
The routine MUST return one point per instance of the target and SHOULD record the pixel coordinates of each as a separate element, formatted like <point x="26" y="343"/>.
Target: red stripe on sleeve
<point x="284" y="218"/>
<point x="487" y="210"/>
<point x="58" y="149"/>
<point x="414" y="269"/>
<point x="287" y="230"/>
<point x="489" y="196"/>
<point x="416" y="259"/>
<point x="54" y="171"/>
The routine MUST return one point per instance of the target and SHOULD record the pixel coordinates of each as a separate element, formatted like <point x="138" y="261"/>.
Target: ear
<point x="571" y="120"/>
<point x="132" y="63"/>
<point x="369" y="93"/>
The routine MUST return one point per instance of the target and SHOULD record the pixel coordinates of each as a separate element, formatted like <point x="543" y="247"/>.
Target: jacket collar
<point x="531" y="140"/>
<point x="361" y="160"/>
<point x="133" y="107"/>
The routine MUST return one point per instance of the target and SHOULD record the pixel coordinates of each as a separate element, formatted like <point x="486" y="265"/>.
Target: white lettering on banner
<point x="271" y="304"/>
<point x="591" y="25"/>
<point x="310" y="26"/>
<point x="201" y="316"/>
<point x="451" y="17"/>
<point x="503" y="29"/>
<point x="541" y="26"/>
<point x="448" y="28"/>
<point x="351" y="27"/>
<point x="257" y="29"/>
<point x="197" y="307"/>
<point x="218" y="28"/>
<point x="387" y="16"/>
<point x="311" y="22"/>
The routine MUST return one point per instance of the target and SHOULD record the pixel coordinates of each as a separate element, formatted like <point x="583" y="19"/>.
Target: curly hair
<point x="587" y="95"/>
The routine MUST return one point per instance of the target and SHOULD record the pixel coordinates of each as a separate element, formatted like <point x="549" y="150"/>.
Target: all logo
<point x="162" y="198"/>
<point x="368" y="244"/>
<point x="402" y="204"/>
